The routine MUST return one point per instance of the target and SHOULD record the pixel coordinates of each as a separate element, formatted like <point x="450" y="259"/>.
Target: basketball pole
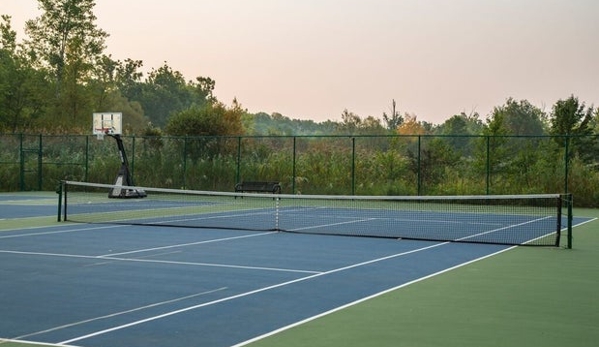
<point x="124" y="177"/>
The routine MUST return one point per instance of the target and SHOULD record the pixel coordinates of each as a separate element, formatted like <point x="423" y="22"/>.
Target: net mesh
<point x="509" y="220"/>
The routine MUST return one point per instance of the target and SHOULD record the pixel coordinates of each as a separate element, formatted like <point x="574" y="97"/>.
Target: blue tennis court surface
<point x="123" y="285"/>
<point x="29" y="205"/>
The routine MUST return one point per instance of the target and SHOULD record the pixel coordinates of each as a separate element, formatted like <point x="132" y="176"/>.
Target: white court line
<point x="188" y="244"/>
<point x="122" y="313"/>
<point x="585" y="222"/>
<point x="146" y="256"/>
<point x="332" y="224"/>
<point x="242" y="267"/>
<point x="256" y="291"/>
<point x="395" y="219"/>
<point x="55" y="232"/>
<point x="138" y="260"/>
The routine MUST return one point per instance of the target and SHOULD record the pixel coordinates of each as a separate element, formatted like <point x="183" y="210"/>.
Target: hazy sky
<point x="311" y="59"/>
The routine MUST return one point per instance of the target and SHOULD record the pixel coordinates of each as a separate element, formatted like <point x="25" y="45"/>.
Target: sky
<point x="313" y="59"/>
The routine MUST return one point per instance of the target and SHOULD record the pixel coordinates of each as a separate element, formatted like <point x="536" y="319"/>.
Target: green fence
<point x="359" y="165"/>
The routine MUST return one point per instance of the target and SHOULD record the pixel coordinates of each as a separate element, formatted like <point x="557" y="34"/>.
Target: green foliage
<point x="571" y="118"/>
<point x="165" y="91"/>
<point x="521" y="118"/>
<point x="276" y="124"/>
<point x="208" y="122"/>
<point x="352" y="124"/>
<point x="66" y="42"/>
<point x="394" y="120"/>
<point x="23" y="90"/>
<point x="65" y="39"/>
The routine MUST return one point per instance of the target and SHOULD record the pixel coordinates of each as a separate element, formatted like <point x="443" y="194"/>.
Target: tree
<point x="23" y="90"/>
<point x="64" y="36"/>
<point x="165" y="91"/>
<point x="411" y="126"/>
<point x="7" y="69"/>
<point x="203" y="89"/>
<point x="395" y="120"/>
<point x="458" y="128"/>
<point x="350" y="123"/>
<point x="66" y="42"/>
<point x="372" y="126"/>
<point x="106" y="93"/>
<point x="435" y="159"/>
<point x="8" y="37"/>
<point x="521" y="117"/>
<point x="461" y="124"/>
<point x="492" y="152"/>
<point x="570" y="118"/>
<point x="128" y="78"/>
<point x="204" y="124"/>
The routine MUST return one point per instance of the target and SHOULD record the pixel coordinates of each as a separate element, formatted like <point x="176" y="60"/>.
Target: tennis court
<point x="124" y="283"/>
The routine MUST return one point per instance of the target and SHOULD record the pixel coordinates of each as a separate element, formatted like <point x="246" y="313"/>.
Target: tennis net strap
<point x="509" y="220"/>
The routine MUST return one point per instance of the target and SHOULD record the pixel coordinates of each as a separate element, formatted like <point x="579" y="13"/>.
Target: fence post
<point x="566" y="162"/>
<point x="133" y="157"/>
<point x="39" y="163"/>
<point x="238" y="173"/>
<point x="185" y="162"/>
<point x="86" y="172"/>
<point x="488" y="165"/>
<point x="419" y="177"/>
<point x="293" y="175"/>
<point x="353" y="166"/>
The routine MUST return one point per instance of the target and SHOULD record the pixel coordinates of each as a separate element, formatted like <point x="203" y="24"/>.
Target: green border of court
<point x="523" y="297"/>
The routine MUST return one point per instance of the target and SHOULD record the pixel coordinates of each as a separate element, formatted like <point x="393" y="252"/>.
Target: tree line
<point x="59" y="74"/>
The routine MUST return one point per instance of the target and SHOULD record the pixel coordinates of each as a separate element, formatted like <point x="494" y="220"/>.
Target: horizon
<point x="312" y="60"/>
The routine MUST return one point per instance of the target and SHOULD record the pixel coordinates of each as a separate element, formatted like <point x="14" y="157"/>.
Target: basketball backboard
<point x="107" y="123"/>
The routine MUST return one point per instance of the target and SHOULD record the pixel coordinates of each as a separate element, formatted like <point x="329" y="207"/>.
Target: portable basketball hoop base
<point x="110" y="124"/>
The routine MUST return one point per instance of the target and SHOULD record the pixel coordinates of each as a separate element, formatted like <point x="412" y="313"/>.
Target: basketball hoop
<point x="100" y="132"/>
<point x="103" y="131"/>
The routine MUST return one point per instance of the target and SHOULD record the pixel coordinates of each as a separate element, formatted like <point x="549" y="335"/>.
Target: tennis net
<point x="500" y="219"/>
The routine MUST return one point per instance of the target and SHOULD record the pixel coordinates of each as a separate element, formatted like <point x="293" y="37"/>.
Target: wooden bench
<point x="258" y="187"/>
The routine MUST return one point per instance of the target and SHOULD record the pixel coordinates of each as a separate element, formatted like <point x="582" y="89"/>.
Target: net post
<point x="64" y="190"/>
<point x="558" y="231"/>
<point x="59" y="192"/>
<point x="570" y="203"/>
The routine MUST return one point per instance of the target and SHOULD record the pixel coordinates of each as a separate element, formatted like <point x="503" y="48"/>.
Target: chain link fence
<point x="341" y="165"/>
